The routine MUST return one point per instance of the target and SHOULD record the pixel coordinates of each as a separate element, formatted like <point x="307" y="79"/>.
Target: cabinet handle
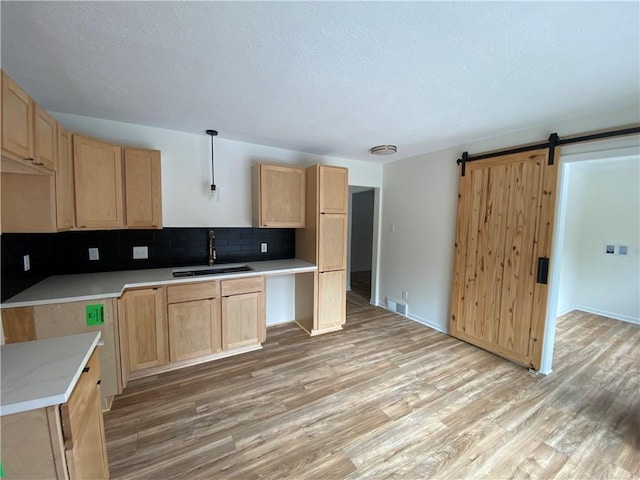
<point x="86" y="369"/>
<point x="99" y="382"/>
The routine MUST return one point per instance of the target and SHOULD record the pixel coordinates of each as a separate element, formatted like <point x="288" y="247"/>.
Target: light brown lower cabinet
<point x="143" y="330"/>
<point x="331" y="300"/>
<point x="182" y="324"/>
<point x="243" y="315"/>
<point x="61" y="441"/>
<point x="194" y="329"/>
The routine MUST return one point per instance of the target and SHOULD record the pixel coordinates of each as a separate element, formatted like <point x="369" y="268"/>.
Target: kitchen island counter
<point x="44" y="372"/>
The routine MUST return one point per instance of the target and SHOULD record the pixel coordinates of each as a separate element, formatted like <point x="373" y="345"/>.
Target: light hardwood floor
<point x="387" y="397"/>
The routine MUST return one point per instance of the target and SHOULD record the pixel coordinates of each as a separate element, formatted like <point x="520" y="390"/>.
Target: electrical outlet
<point x="263" y="247"/>
<point x="27" y="263"/>
<point x="140" y="252"/>
<point x="405" y="294"/>
<point x="94" y="254"/>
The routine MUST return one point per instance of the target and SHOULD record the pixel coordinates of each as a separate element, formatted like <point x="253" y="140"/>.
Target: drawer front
<point x="242" y="285"/>
<point x="193" y="291"/>
<point x="74" y="410"/>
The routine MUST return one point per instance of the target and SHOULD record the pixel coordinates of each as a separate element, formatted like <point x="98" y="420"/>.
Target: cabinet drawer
<point x="74" y="410"/>
<point x="242" y="285"/>
<point x="193" y="291"/>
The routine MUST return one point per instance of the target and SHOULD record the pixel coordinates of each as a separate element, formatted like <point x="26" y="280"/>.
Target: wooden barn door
<point x="504" y="226"/>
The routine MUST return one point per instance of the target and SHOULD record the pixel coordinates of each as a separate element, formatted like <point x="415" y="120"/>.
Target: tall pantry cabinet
<point x="324" y="242"/>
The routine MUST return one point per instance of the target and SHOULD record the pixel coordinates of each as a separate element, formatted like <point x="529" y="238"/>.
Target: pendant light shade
<point x="212" y="133"/>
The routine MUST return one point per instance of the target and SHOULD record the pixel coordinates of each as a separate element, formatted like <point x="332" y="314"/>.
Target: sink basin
<point x="212" y="271"/>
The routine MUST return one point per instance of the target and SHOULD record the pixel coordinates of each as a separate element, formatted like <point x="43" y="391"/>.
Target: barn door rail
<point x="551" y="143"/>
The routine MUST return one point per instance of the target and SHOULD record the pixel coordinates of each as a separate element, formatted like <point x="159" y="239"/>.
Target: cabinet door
<point x="334" y="189"/>
<point x="281" y="196"/>
<point x="143" y="190"/>
<point x="194" y="329"/>
<point x="65" y="198"/>
<point x="45" y="149"/>
<point x="332" y="300"/>
<point x="98" y="183"/>
<point x="332" y="242"/>
<point x="88" y="456"/>
<point x="242" y="320"/>
<point x="17" y="120"/>
<point x="145" y="328"/>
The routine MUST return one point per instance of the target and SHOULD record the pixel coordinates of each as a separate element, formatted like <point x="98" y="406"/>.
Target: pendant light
<point x="212" y="133"/>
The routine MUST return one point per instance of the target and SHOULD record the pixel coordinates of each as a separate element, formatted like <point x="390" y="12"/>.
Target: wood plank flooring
<point x="388" y="398"/>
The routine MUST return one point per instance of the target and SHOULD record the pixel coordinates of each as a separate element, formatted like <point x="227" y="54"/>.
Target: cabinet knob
<point x="86" y="369"/>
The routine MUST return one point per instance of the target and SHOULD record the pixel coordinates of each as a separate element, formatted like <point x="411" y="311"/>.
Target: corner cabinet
<point x="97" y="169"/>
<point x="324" y="242"/>
<point x="143" y="190"/>
<point x="24" y="324"/>
<point x="278" y="196"/>
<point x="29" y="134"/>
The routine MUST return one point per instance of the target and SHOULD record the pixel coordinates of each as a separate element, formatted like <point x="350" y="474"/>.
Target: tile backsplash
<point x="68" y="252"/>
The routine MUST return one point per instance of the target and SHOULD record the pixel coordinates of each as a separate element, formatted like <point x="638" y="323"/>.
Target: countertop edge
<point x="173" y="281"/>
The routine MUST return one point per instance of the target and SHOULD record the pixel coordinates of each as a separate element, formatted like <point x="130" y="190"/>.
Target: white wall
<point x="420" y="200"/>
<point x="606" y="210"/>
<point x="186" y="169"/>
<point x="570" y="257"/>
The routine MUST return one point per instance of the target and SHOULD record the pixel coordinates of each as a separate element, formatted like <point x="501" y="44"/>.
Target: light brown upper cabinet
<point x="98" y="183"/>
<point x="65" y="197"/>
<point x="29" y="134"/>
<point x="45" y="151"/>
<point x="17" y="121"/>
<point x="143" y="189"/>
<point x="334" y="189"/>
<point x="278" y="196"/>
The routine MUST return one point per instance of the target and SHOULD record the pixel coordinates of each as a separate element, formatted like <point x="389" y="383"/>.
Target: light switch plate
<point x="140" y="253"/>
<point x="263" y="247"/>
<point x="94" y="254"/>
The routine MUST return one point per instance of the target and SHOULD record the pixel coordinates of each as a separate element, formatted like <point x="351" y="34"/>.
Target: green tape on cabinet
<point x="95" y="315"/>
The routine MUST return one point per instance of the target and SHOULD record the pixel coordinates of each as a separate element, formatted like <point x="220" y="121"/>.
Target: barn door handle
<point x="543" y="270"/>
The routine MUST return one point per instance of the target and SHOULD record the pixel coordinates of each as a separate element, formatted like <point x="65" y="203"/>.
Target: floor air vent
<point x="397" y="307"/>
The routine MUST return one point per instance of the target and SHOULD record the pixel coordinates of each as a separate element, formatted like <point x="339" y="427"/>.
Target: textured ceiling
<point x="332" y="78"/>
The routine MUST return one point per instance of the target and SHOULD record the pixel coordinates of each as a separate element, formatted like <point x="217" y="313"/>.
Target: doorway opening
<point x="594" y="215"/>
<point x="361" y="245"/>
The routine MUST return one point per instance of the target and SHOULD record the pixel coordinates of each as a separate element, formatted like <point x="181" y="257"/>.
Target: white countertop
<point x="44" y="372"/>
<point x="94" y="286"/>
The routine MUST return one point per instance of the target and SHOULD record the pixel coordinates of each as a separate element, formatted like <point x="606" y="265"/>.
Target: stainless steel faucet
<point x="212" y="247"/>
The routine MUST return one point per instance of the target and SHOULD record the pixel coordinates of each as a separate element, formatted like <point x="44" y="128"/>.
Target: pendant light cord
<point x="212" y="133"/>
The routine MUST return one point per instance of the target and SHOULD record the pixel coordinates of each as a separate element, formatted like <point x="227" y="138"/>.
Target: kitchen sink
<point x="212" y="271"/>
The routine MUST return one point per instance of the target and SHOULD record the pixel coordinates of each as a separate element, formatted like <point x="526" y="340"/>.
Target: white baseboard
<point x="566" y="310"/>
<point x="417" y="319"/>
<point x="427" y="323"/>
<point x="615" y="316"/>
